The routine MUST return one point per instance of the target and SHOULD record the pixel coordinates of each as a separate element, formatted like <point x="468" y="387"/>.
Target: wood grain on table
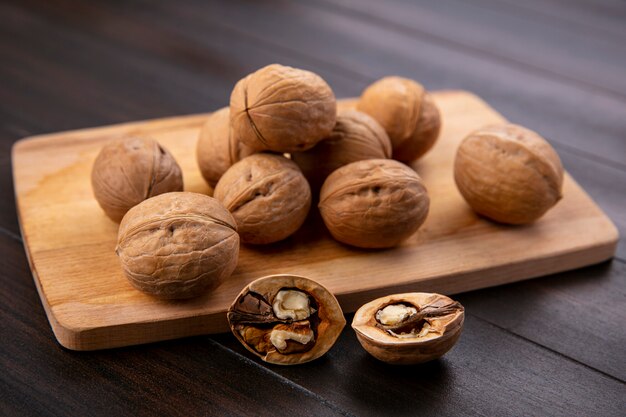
<point x="550" y="346"/>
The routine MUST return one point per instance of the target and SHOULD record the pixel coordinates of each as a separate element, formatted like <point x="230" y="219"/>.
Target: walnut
<point x="375" y="203"/>
<point x="218" y="149"/>
<point x="356" y="136"/>
<point x="286" y="319"/>
<point x="131" y="169"/>
<point x="406" y="111"/>
<point x="178" y="245"/>
<point x="267" y="195"/>
<point x="282" y="109"/>
<point x="508" y="173"/>
<point x="409" y="328"/>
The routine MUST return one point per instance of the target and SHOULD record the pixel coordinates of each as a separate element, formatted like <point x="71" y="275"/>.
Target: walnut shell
<point x="406" y="112"/>
<point x="424" y="333"/>
<point x="375" y="203"/>
<point x="253" y="318"/>
<point x="355" y="137"/>
<point x="217" y="148"/>
<point x="508" y="173"/>
<point x="267" y="195"/>
<point x="178" y="245"/>
<point x="130" y="170"/>
<point x="282" y="109"/>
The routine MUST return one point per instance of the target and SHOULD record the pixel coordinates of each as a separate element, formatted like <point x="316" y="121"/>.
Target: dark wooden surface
<point x="551" y="346"/>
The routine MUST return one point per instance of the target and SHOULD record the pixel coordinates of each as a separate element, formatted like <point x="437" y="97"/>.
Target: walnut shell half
<point x="409" y="328"/>
<point x="267" y="195"/>
<point x="375" y="203"/>
<point x="178" y="245"/>
<point x="286" y="319"/>
<point x="282" y="109"/>
<point x="508" y="173"/>
<point x="217" y="148"/>
<point x="129" y="170"/>
<point x="355" y="137"/>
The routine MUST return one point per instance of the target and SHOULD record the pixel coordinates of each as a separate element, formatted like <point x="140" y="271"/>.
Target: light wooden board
<point x="90" y="305"/>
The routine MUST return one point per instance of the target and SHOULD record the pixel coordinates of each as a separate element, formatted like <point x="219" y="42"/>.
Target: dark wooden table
<point x="549" y="346"/>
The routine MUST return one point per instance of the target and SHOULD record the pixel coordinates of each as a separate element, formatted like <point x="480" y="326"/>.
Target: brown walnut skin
<point x="217" y="148"/>
<point x="257" y="319"/>
<point x="407" y="113"/>
<point x="282" y="109"/>
<point x="444" y="318"/>
<point x="267" y="195"/>
<point x="129" y="170"/>
<point x="355" y="137"/>
<point x="375" y="203"/>
<point x="508" y="173"/>
<point x="178" y="245"/>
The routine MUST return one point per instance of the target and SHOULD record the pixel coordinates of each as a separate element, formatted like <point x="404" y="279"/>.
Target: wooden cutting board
<point x="90" y="305"/>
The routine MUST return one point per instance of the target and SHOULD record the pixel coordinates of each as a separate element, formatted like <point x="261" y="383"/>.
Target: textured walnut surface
<point x="253" y="308"/>
<point x="218" y="149"/>
<point x="178" y="245"/>
<point x="374" y="203"/>
<point x="267" y="195"/>
<point x="355" y="137"/>
<point x="508" y="173"/>
<point x="282" y="109"/>
<point x="130" y="170"/>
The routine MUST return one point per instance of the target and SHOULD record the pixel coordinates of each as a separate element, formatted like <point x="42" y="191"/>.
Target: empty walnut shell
<point x="355" y="137"/>
<point x="282" y="109"/>
<point x="218" y="149"/>
<point x="407" y="113"/>
<point x="508" y="173"/>
<point x="178" y="245"/>
<point x="286" y="319"/>
<point x="267" y="195"/>
<point x="376" y="203"/>
<point x="130" y="170"/>
<point x="409" y="328"/>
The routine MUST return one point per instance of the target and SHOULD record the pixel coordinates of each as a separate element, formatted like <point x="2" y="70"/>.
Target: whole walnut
<point x="375" y="203"/>
<point x="130" y="170"/>
<point x="178" y="245"/>
<point x="267" y="195"/>
<point x="406" y="112"/>
<point x="356" y="136"/>
<point x="282" y="109"/>
<point x="508" y="173"/>
<point x="218" y="149"/>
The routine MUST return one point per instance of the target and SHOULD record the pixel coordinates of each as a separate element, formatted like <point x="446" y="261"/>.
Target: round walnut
<point x="376" y="203"/>
<point x="355" y="137"/>
<point x="409" y="328"/>
<point x="286" y="319"/>
<point x="130" y="170"/>
<point x="218" y="149"/>
<point x="267" y="195"/>
<point x="406" y="112"/>
<point x="178" y="245"/>
<point x="282" y="109"/>
<point x="508" y="173"/>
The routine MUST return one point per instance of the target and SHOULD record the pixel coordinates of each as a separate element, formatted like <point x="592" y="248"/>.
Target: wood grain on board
<point x="90" y="305"/>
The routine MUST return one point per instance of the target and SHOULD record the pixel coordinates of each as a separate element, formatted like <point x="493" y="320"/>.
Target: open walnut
<point x="217" y="148"/>
<point x="267" y="195"/>
<point x="177" y="245"/>
<point x="282" y="109"/>
<point x="375" y="203"/>
<point x="406" y="111"/>
<point x="355" y="137"/>
<point x="508" y="173"/>
<point x="286" y="319"/>
<point x="409" y="328"/>
<point x="131" y="169"/>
